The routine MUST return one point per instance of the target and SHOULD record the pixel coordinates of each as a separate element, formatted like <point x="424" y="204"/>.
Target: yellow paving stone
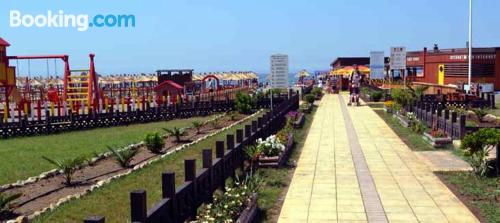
<point x="401" y="217"/>
<point x="352" y="216"/>
<point x="325" y="186"/>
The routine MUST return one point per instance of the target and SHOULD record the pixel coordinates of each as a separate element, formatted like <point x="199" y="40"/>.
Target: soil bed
<point x="45" y="192"/>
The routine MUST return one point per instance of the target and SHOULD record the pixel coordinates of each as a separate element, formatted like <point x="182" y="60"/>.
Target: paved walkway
<point x="354" y="168"/>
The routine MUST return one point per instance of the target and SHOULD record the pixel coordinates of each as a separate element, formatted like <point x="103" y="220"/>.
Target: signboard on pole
<point x="398" y="58"/>
<point x="377" y="64"/>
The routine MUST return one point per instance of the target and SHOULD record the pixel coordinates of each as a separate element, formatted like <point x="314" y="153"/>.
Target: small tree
<point x="124" y="157"/>
<point x="154" y="142"/>
<point x="244" y="103"/>
<point x="68" y="167"/>
<point x="176" y="132"/>
<point x="198" y="125"/>
<point x="6" y="202"/>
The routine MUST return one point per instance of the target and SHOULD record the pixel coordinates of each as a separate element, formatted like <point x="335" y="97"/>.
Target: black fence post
<point x="168" y="191"/>
<point x="94" y="219"/>
<point x="239" y="136"/>
<point x="219" y="153"/>
<point x="138" y="206"/>
<point x="462" y="127"/>
<point x="492" y="102"/>
<point x="254" y="126"/>
<point x="190" y="175"/>
<point x="260" y="122"/>
<point x="207" y="164"/>
<point x="168" y="185"/>
<point x="190" y="170"/>
<point x="248" y="132"/>
<point x="230" y="141"/>
<point x="446" y="114"/>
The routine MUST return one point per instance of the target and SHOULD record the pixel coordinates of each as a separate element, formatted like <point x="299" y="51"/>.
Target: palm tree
<point x="68" y="166"/>
<point x="124" y="157"/>
<point x="198" y="125"/>
<point x="177" y="132"/>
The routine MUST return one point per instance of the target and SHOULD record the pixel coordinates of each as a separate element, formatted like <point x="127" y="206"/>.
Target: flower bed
<point x="276" y="153"/>
<point x="297" y="118"/>
<point x="437" y="140"/>
<point x="237" y="202"/>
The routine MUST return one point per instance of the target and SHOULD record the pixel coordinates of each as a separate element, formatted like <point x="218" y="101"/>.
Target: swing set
<point x="80" y="87"/>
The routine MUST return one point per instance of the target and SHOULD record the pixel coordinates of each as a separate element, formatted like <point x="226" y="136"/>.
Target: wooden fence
<point x="62" y="123"/>
<point x="449" y="121"/>
<point x="485" y="100"/>
<point x="181" y="203"/>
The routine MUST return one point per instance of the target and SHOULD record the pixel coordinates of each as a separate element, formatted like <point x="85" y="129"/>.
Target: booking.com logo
<point x="60" y="20"/>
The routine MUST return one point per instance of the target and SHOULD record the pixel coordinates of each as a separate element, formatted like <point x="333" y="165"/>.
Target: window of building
<point x="462" y="69"/>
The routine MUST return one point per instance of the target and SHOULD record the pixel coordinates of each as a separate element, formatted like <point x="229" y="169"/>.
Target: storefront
<point x="450" y="66"/>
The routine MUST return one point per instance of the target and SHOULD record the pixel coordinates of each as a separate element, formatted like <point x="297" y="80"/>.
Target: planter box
<point x="248" y="215"/>
<point x="307" y="109"/>
<point x="299" y="122"/>
<point x="437" y="142"/>
<point x="277" y="161"/>
<point x="387" y="109"/>
<point x="402" y="120"/>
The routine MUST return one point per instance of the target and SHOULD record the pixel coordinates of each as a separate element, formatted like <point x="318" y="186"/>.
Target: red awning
<point x="168" y="83"/>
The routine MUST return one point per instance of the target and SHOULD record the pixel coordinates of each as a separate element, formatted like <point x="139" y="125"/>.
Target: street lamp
<point x="470" y="44"/>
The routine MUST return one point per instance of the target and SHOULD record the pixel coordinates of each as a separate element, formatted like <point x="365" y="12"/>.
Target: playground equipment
<point x="82" y="93"/>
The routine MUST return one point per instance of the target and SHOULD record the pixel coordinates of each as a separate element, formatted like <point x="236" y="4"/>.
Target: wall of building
<point x="485" y="60"/>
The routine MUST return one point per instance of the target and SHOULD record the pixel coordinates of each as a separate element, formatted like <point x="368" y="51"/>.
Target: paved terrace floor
<point x="354" y="168"/>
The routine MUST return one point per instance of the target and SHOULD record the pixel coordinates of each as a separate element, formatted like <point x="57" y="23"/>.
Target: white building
<point x="279" y="71"/>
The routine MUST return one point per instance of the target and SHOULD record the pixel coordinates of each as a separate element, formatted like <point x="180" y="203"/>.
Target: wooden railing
<point x="181" y="203"/>
<point x="63" y="123"/>
<point x="448" y="121"/>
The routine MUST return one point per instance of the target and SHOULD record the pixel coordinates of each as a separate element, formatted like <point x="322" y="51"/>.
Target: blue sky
<point x="225" y="35"/>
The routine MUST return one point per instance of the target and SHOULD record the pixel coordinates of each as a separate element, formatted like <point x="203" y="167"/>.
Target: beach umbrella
<point x="302" y="74"/>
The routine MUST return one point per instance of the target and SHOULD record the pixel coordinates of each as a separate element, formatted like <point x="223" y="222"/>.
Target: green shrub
<point x="154" y="142"/>
<point x="475" y="147"/>
<point x="376" y="96"/>
<point x="402" y="97"/>
<point x="68" y="167"/>
<point x="244" y="103"/>
<point x="124" y="157"/>
<point x="309" y="98"/>
<point x="317" y="91"/>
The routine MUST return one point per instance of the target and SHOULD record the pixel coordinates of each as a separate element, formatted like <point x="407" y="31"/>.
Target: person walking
<point x="355" y="82"/>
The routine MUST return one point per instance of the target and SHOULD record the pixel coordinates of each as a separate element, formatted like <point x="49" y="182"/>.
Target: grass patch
<point x="112" y="200"/>
<point x="495" y="111"/>
<point x="272" y="193"/>
<point x="412" y="139"/>
<point x="481" y="193"/>
<point x="21" y="157"/>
